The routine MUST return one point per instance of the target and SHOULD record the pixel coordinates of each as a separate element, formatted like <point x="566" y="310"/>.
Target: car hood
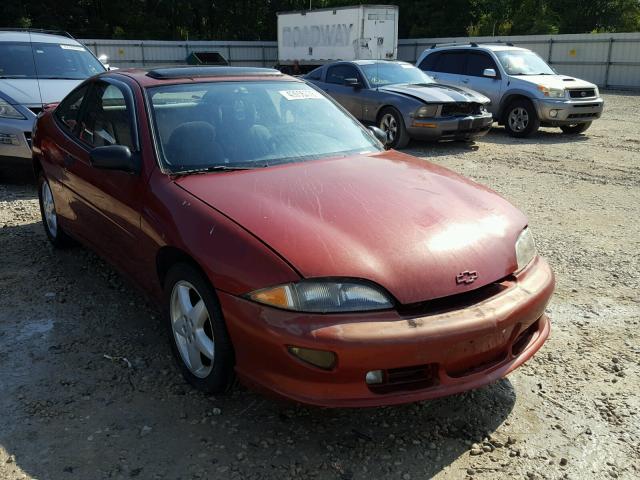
<point x="402" y="222"/>
<point x="436" y="93"/>
<point x="552" y="81"/>
<point x="25" y="91"/>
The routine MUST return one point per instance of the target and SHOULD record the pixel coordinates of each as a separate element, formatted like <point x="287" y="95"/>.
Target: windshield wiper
<point x="212" y="168"/>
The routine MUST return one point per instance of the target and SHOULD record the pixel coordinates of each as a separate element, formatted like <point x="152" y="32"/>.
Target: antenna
<point x="35" y="68"/>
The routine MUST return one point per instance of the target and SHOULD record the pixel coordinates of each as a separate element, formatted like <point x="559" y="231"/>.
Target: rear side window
<point x="69" y="109"/>
<point x="428" y="63"/>
<point x="107" y="119"/>
<point x="451" y="62"/>
<point x="315" y="74"/>
<point x="339" y="73"/>
<point x="478" y="62"/>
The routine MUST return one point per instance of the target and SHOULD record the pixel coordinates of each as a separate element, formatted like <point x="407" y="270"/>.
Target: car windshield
<point x="382" y="73"/>
<point x="521" y="62"/>
<point x="47" y="61"/>
<point x="202" y="126"/>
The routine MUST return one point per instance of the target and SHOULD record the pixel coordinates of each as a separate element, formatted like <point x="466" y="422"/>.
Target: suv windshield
<point x="380" y="74"/>
<point x="520" y="62"/>
<point x="230" y="125"/>
<point x="47" y="61"/>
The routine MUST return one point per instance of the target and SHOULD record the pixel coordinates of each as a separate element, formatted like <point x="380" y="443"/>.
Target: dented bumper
<point x="427" y="355"/>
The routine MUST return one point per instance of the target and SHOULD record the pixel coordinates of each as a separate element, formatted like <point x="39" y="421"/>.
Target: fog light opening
<point x="553" y="113"/>
<point x="9" y="139"/>
<point x="318" y="358"/>
<point x="374" y="377"/>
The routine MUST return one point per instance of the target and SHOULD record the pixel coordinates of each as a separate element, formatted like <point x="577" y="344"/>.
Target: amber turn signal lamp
<point x="317" y="358"/>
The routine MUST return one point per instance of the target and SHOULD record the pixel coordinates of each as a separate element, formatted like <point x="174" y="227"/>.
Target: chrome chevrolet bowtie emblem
<point x="466" y="277"/>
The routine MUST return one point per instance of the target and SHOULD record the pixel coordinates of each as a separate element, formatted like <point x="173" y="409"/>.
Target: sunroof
<point x="190" y="72"/>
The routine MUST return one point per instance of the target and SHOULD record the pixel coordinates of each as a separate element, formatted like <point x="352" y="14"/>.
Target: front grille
<point x="461" y="109"/>
<point x="417" y="377"/>
<point x="582" y="93"/>
<point x="582" y="115"/>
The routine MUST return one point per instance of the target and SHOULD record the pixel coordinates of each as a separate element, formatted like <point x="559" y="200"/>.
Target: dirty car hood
<point x="553" y="81"/>
<point x="396" y="220"/>
<point x="437" y="93"/>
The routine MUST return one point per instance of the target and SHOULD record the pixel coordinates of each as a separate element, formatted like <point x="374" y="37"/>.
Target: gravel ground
<point x="88" y="389"/>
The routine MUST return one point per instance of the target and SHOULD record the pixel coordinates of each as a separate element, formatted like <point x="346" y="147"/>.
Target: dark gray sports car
<point x="404" y="101"/>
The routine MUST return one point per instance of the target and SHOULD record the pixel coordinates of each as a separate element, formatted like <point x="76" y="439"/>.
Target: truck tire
<point x="521" y="118"/>
<point x="575" y="129"/>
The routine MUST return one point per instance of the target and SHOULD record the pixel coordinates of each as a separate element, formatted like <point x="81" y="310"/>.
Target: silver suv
<point x="525" y="92"/>
<point x="36" y="68"/>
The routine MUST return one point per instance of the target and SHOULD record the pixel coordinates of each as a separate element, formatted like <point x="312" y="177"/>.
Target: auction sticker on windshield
<point x="299" y="94"/>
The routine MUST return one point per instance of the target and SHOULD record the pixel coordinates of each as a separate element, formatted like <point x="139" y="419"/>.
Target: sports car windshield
<point x="520" y="62"/>
<point x="47" y="61"/>
<point x="230" y="125"/>
<point x="381" y="74"/>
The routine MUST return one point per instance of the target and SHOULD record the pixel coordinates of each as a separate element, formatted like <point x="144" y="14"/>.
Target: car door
<point x="449" y="67"/>
<point x="346" y="95"/>
<point x="475" y="78"/>
<point x="106" y="203"/>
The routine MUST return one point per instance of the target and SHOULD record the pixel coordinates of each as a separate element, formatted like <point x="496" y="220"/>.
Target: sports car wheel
<point x="52" y="226"/>
<point x="392" y="124"/>
<point x="521" y="119"/>
<point x="575" y="129"/>
<point x="199" y="338"/>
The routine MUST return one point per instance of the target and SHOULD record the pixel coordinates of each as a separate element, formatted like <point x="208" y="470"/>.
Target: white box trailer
<point x="315" y="37"/>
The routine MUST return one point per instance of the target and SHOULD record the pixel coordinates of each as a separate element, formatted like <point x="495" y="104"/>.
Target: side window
<point x="428" y="63"/>
<point x="315" y="74"/>
<point x="107" y="119"/>
<point x="478" y="62"/>
<point x="69" y="109"/>
<point x="338" y="73"/>
<point x="451" y="62"/>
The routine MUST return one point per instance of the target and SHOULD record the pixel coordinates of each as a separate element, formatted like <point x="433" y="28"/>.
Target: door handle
<point x="466" y="80"/>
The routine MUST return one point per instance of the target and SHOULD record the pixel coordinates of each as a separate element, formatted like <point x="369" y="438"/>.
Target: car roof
<point x="37" y="37"/>
<point x="190" y="74"/>
<point x="373" y="62"/>
<point x="494" y="47"/>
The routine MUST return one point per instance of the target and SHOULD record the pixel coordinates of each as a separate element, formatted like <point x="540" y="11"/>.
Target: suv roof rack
<point x="188" y="71"/>
<point x="62" y="33"/>
<point x="471" y="44"/>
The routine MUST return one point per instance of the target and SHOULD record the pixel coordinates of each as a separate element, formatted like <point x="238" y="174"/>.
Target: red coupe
<point x="287" y="246"/>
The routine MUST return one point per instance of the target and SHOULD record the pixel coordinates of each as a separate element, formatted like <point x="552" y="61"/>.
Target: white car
<point x="36" y="68"/>
<point x="525" y="92"/>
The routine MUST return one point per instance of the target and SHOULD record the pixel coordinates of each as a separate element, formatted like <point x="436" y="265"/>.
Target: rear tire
<point x="521" y="119"/>
<point x="50" y="220"/>
<point x="199" y="339"/>
<point x="390" y="120"/>
<point x="575" y="129"/>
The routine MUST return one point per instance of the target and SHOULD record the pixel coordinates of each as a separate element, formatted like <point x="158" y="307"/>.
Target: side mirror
<point x="380" y="135"/>
<point x="114" y="157"/>
<point x="489" y="72"/>
<point x="352" y="82"/>
<point x="104" y="61"/>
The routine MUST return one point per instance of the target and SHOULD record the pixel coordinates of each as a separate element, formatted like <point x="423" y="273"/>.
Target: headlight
<point x="426" y="111"/>
<point x="551" y="92"/>
<point x="597" y="91"/>
<point x="7" y="110"/>
<point x="525" y="249"/>
<point x="323" y="296"/>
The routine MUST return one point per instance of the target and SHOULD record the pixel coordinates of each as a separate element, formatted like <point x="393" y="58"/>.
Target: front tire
<point x="392" y="124"/>
<point x="50" y="220"/>
<point x="199" y="340"/>
<point x="521" y="119"/>
<point x="575" y="129"/>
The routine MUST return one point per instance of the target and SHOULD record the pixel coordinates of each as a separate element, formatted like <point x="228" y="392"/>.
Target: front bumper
<point x="568" y="112"/>
<point x="15" y="138"/>
<point x="450" y="128"/>
<point x="423" y="356"/>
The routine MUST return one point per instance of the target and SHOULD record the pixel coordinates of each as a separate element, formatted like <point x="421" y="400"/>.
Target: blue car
<point x="403" y="101"/>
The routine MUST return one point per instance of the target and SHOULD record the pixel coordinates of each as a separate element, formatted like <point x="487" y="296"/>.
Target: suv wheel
<point x="521" y="119"/>
<point x="575" y="129"/>
<point x="392" y="124"/>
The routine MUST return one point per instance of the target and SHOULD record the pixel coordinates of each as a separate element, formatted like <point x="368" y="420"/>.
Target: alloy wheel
<point x="518" y="119"/>
<point x="192" y="329"/>
<point x="389" y="125"/>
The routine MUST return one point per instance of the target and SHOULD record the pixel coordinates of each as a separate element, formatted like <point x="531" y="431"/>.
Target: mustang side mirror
<point x="352" y="82"/>
<point x="380" y="135"/>
<point x="114" y="157"/>
<point x="489" y="72"/>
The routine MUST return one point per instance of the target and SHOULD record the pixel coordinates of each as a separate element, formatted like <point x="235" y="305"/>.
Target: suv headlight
<point x="525" y="248"/>
<point x="324" y="296"/>
<point x="551" y="92"/>
<point x="426" y="111"/>
<point x="8" y="111"/>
